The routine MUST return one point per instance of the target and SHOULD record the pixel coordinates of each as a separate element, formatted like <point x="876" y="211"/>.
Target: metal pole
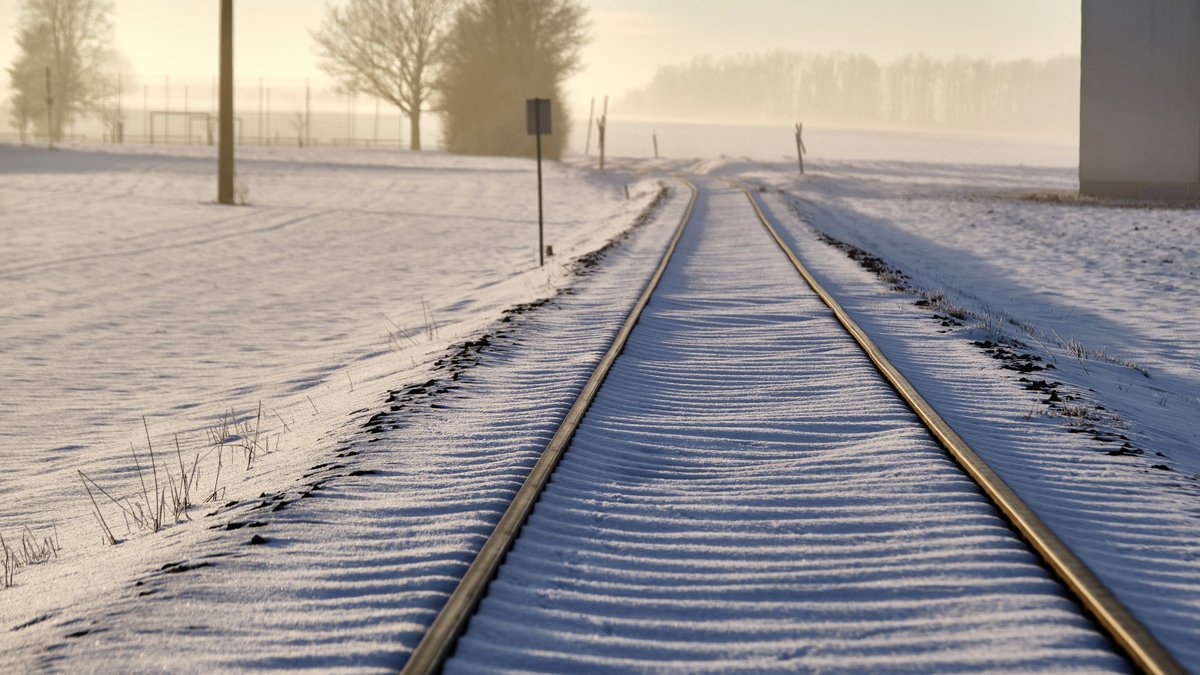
<point x="537" y="119"/>
<point x="225" y="147"/>
<point x="49" y="110"/>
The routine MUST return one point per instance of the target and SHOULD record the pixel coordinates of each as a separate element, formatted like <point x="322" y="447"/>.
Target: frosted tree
<point x="73" y="38"/>
<point x="499" y="53"/>
<point x="386" y="48"/>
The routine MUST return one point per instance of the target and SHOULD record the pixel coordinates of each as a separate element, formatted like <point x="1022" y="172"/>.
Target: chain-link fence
<point x="167" y="110"/>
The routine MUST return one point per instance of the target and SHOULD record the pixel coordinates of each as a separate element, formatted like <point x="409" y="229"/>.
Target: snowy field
<point x="129" y="294"/>
<point x="348" y="302"/>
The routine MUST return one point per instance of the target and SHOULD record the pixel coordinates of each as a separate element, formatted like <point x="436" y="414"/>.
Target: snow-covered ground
<point x="349" y="300"/>
<point x="129" y="294"/>
<point x="747" y="493"/>
<point x="1054" y="335"/>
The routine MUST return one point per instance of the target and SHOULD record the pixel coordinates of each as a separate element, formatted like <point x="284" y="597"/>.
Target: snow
<point x="396" y="439"/>
<point x="747" y="493"/>
<point x="1119" y="486"/>
<point x="152" y="301"/>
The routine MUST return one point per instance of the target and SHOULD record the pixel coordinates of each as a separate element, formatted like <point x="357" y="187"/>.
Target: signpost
<point x="537" y="122"/>
<point x="49" y="109"/>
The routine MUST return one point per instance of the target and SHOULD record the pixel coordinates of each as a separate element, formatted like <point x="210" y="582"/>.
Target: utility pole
<point x="225" y="123"/>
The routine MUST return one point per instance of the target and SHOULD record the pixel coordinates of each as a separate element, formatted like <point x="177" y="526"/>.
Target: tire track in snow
<point x="747" y="492"/>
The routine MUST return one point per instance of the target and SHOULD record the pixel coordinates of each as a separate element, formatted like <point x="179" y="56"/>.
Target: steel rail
<point x="438" y="642"/>
<point x="1114" y="618"/>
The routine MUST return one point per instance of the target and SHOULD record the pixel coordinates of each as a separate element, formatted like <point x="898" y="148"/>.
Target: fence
<point x="266" y="112"/>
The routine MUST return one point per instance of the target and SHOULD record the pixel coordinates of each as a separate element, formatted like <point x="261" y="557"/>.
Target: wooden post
<point x="225" y="123"/>
<point x="118" y="130"/>
<point x="307" y="114"/>
<point x="800" y="149"/>
<point x="187" y="119"/>
<point x="602" y="125"/>
<point x="587" y="147"/>
<point x="267" y="115"/>
<point x="654" y="136"/>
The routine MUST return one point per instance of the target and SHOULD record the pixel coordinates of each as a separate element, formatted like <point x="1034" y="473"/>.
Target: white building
<point x="1139" y="134"/>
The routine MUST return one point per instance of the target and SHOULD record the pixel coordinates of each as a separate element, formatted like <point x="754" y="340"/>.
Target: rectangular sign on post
<point x="537" y="116"/>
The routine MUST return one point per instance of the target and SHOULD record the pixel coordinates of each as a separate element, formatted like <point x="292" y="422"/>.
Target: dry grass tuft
<point x="31" y="550"/>
<point x="163" y="501"/>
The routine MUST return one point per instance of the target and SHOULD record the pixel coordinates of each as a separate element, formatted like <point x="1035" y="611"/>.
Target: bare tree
<point x="73" y="38"/>
<point x="499" y="53"/>
<point x="386" y="48"/>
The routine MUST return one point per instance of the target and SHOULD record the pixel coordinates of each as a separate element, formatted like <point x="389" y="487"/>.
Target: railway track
<point x="752" y="485"/>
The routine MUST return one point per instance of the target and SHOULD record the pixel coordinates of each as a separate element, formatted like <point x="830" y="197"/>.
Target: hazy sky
<point x="630" y="38"/>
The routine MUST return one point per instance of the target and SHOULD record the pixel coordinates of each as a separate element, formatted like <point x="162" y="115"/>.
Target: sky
<point x="630" y="38"/>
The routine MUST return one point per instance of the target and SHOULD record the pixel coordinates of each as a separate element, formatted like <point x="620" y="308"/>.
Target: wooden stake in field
<point x="602" y="127"/>
<point x="587" y="147"/>
<point x="800" y="149"/>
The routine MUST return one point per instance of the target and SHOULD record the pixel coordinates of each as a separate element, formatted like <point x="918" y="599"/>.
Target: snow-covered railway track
<point x="747" y="492"/>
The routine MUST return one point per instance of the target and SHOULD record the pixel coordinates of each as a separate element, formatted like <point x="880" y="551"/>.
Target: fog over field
<point x="991" y="67"/>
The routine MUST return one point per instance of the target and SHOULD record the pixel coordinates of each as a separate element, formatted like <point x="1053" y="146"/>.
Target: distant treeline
<point x="856" y="90"/>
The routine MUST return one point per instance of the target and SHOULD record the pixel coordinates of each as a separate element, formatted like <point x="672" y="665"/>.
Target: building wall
<point x="1139" y="130"/>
